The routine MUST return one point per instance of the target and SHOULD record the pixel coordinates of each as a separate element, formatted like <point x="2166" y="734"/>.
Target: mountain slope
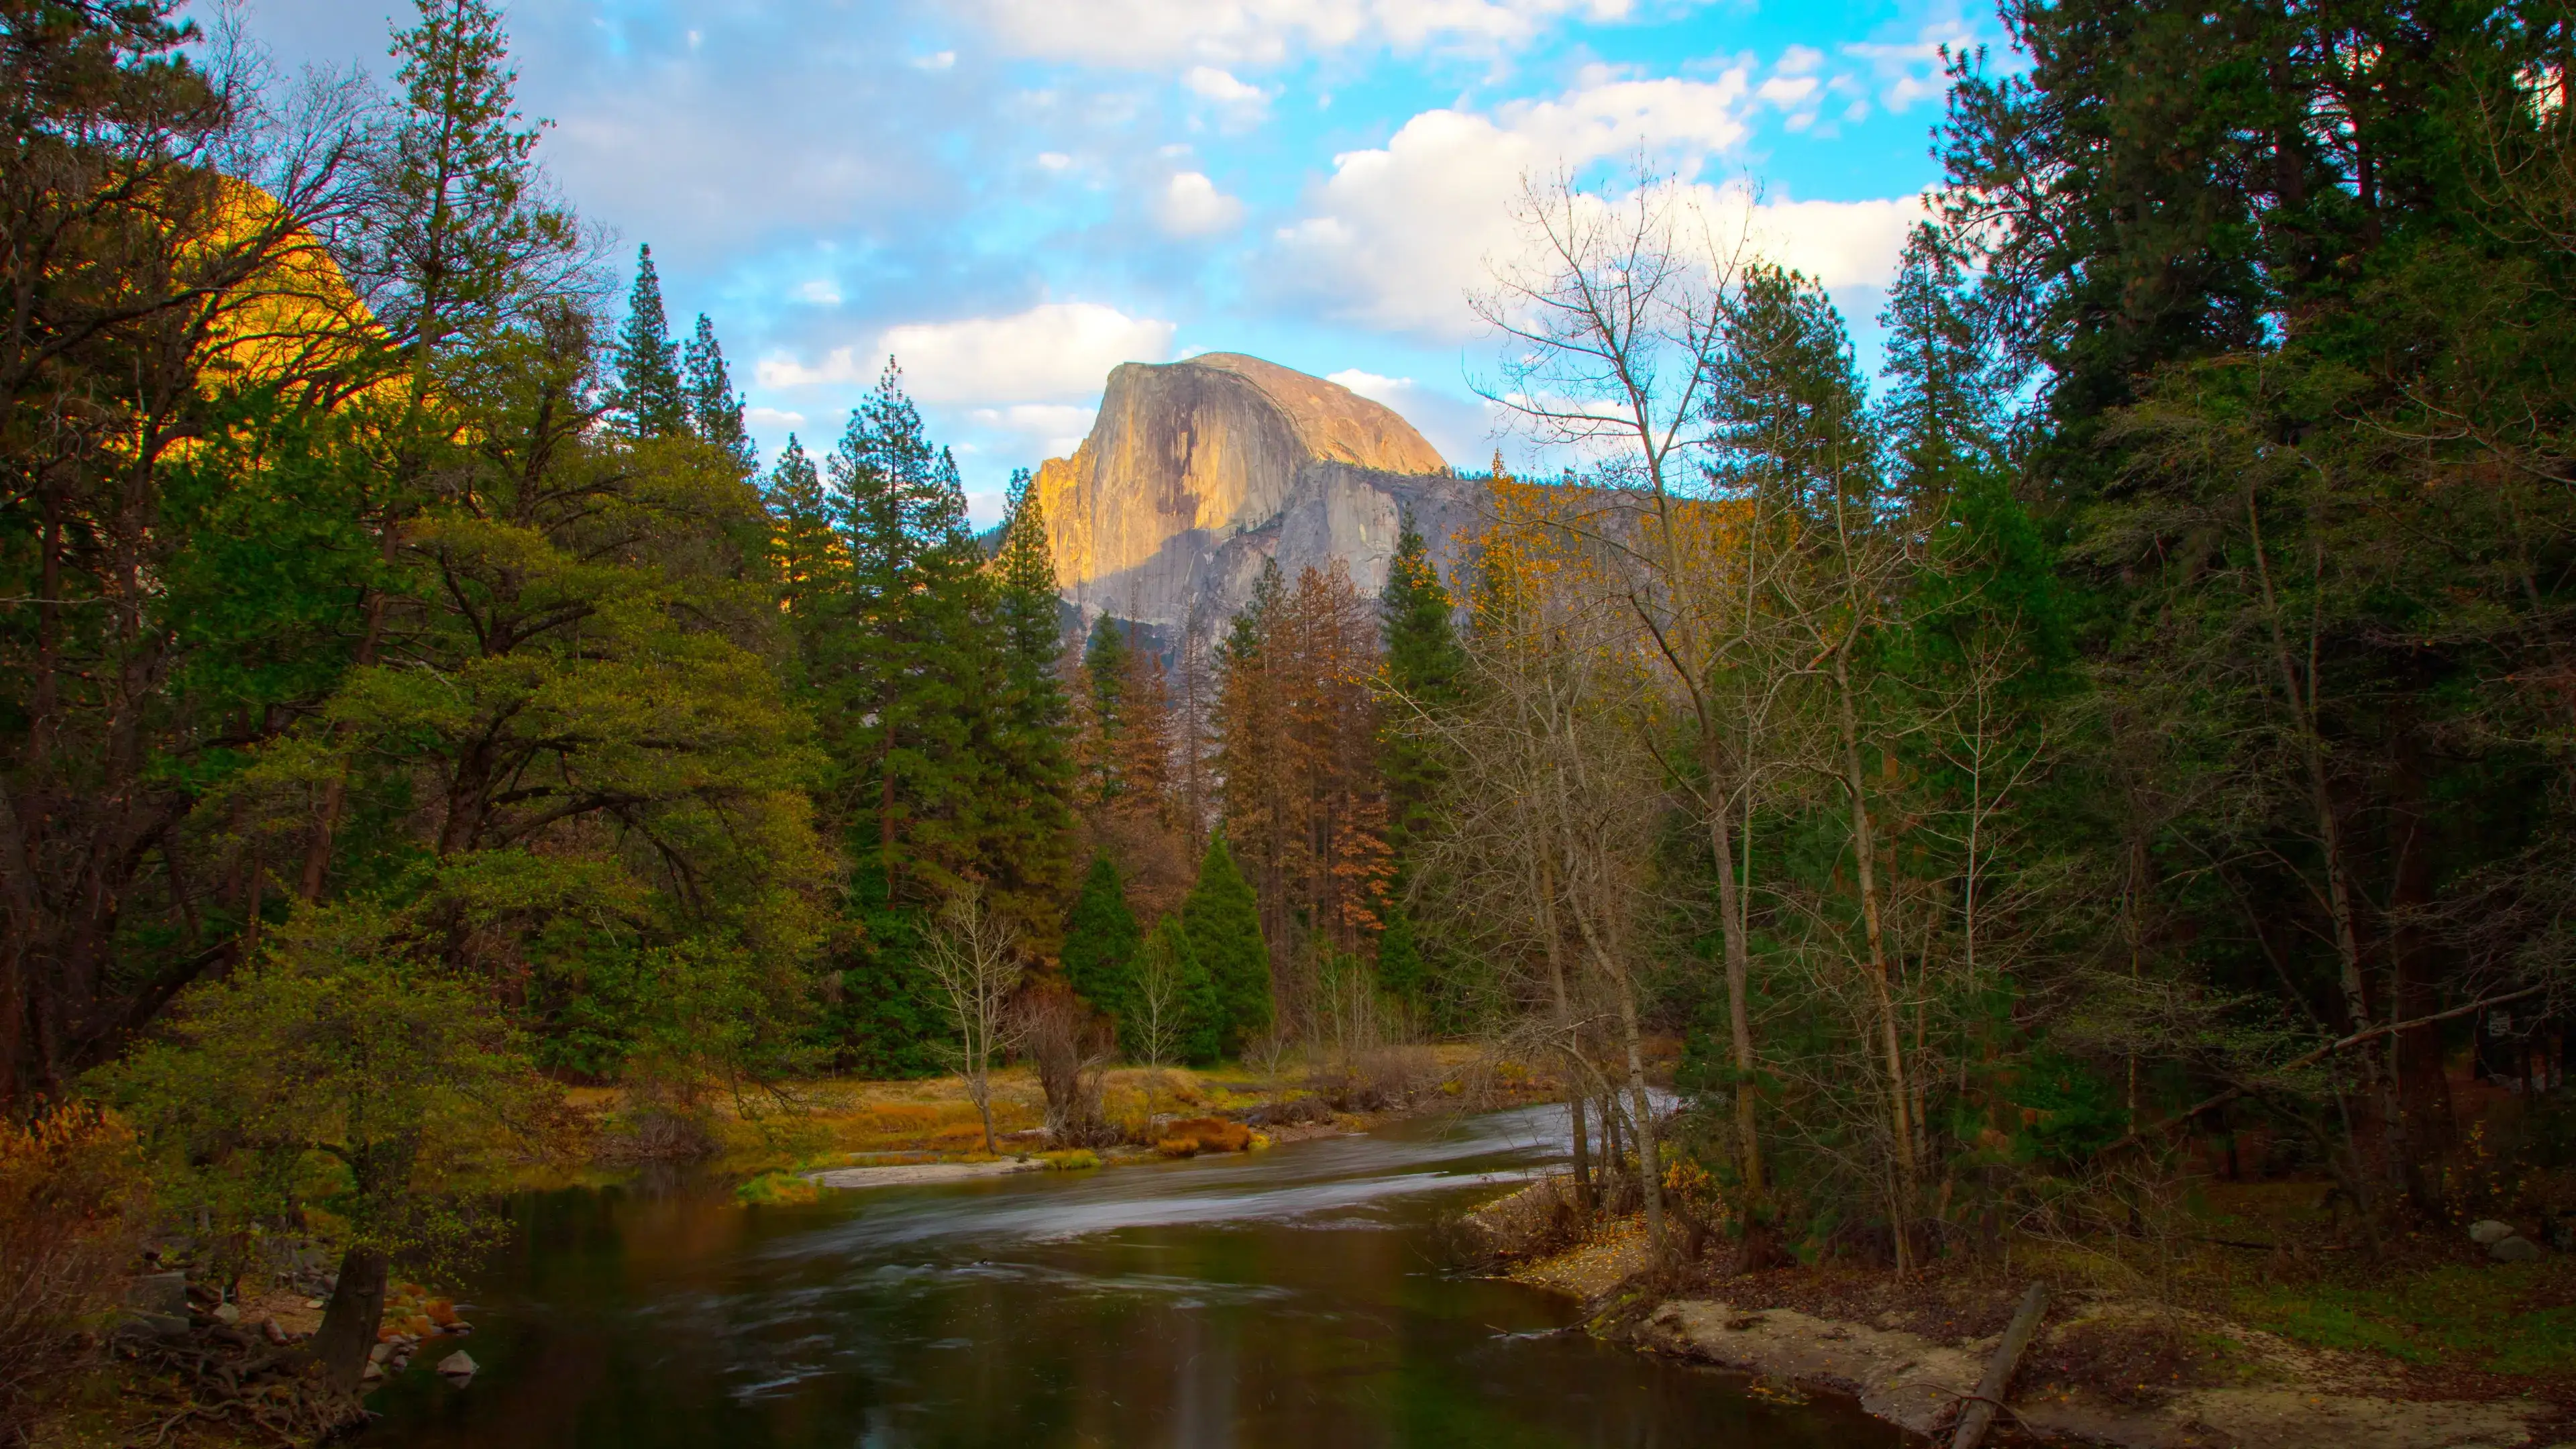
<point x="1197" y="471"/>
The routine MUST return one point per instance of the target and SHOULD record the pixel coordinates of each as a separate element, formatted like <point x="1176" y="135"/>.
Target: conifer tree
<point x="905" y="669"/>
<point x="1025" y="813"/>
<point x="802" y="550"/>
<point x="1223" y="921"/>
<point x="649" y="394"/>
<point x="1200" y="1031"/>
<point x="1101" y="939"/>
<point x="1425" y="672"/>
<point x="715" y="409"/>
<point x="464" y="238"/>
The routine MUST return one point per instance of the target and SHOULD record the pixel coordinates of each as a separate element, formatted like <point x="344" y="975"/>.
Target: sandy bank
<point x="904" y="1174"/>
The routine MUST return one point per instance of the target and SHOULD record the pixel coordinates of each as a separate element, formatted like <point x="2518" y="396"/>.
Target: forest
<point x="2126" y="738"/>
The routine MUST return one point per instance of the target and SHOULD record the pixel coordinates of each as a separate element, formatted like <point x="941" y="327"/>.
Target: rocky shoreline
<point x="2074" y="1388"/>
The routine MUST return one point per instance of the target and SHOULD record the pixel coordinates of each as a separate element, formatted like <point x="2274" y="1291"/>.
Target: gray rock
<point x="457" y="1365"/>
<point x="158" y="1293"/>
<point x="227" y="1313"/>
<point x="2514" y="1250"/>
<point x="2489" y="1233"/>
<point x="141" y="1323"/>
<point x="380" y="1353"/>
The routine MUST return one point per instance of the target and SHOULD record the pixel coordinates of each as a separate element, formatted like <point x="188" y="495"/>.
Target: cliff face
<point x="1197" y="471"/>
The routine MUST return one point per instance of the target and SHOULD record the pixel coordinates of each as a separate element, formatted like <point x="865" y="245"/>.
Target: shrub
<point x="1205" y="1134"/>
<point x="1072" y="1161"/>
<point x="776" y="1188"/>
<point x="71" y="1190"/>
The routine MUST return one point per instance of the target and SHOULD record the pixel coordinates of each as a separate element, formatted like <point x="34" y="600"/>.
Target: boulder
<point x="226" y="1313"/>
<point x="2514" y="1250"/>
<point x="158" y="1293"/>
<point x="142" y="1323"/>
<point x="2488" y="1233"/>
<point x="457" y="1365"/>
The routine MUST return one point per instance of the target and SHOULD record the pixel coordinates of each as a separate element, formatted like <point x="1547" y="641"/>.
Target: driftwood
<point x="1979" y="1414"/>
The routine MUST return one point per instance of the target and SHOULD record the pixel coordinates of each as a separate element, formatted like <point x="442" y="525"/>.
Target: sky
<point x="1014" y="196"/>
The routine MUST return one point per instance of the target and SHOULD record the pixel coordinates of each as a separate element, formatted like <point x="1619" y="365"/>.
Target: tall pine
<point x="1101" y="940"/>
<point x="715" y="409"/>
<point x="649" y="395"/>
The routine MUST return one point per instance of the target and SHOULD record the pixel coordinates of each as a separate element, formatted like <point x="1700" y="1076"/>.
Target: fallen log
<point x="1979" y="1414"/>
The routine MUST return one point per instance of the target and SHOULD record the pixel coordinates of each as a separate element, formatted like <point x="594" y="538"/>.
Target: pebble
<point x="457" y="1365"/>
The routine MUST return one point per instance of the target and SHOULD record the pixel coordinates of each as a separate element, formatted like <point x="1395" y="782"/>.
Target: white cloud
<point x="1150" y="33"/>
<point x="1912" y="72"/>
<point x="942" y="61"/>
<point x="1047" y="430"/>
<point x="1397" y="237"/>
<point x="1190" y="205"/>
<point x="1375" y="386"/>
<point x="822" y="292"/>
<point x="771" y="419"/>
<point x="1212" y="84"/>
<point x="1055" y="352"/>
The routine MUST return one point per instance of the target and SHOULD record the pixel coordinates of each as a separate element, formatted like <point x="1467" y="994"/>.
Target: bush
<point x="71" y="1190"/>
<point x="775" y="1189"/>
<point x="1072" y="1161"/>
<point x="1205" y="1134"/>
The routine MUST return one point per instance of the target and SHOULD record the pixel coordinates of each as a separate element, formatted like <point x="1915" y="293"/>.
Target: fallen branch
<point x="1979" y="1415"/>
<point x="2320" y="1054"/>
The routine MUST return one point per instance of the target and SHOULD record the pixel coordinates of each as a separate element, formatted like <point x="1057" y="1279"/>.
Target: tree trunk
<point x="1865" y="850"/>
<point x="2424" y="1087"/>
<point x="1739" y="1024"/>
<point x="349" y="1324"/>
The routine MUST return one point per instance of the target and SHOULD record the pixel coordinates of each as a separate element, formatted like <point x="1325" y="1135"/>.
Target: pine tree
<point x="648" y="361"/>
<point x="715" y="409"/>
<point x="1024" y="811"/>
<point x="1223" y="921"/>
<point x="803" y="553"/>
<point x="906" y="670"/>
<point x="1202" y="1024"/>
<point x="1426" y="668"/>
<point x="1101" y="940"/>
<point x="463" y="240"/>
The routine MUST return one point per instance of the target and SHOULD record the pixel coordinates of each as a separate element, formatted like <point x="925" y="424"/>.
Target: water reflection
<point x="1295" y="1297"/>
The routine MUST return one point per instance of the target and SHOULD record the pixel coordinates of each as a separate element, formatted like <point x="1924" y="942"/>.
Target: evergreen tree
<point x="906" y="669"/>
<point x="1425" y="672"/>
<point x="803" y="552"/>
<point x="715" y="409"/>
<point x="649" y="394"/>
<point x="1101" y="939"/>
<point x="1223" y="922"/>
<point x="1202" y="1027"/>
<point x="462" y="239"/>
<point x="1025" y="808"/>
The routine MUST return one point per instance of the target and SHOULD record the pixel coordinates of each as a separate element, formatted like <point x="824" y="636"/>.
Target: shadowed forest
<point x="2122" y="746"/>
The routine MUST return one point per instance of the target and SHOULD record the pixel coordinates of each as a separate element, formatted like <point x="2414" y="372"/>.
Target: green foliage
<point x="1197" y="1036"/>
<point x="1101" y="942"/>
<point x="1222" y="919"/>
<point x="347" y="1071"/>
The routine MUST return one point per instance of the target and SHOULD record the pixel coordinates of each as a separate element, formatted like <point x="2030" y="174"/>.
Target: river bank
<point x="2109" y="1367"/>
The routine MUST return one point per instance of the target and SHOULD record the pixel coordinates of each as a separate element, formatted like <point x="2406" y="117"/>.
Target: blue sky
<point x="1013" y="196"/>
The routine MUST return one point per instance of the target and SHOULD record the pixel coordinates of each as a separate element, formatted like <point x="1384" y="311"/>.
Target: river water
<point x="1296" y="1297"/>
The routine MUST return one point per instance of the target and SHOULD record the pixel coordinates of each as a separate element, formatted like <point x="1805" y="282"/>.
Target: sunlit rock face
<point x="1197" y="471"/>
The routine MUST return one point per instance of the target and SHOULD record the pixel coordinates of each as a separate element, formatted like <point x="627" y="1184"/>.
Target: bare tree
<point x="974" y="956"/>
<point x="1161" y="1004"/>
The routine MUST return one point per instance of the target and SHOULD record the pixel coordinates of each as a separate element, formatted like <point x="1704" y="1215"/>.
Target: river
<point x="1295" y="1297"/>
